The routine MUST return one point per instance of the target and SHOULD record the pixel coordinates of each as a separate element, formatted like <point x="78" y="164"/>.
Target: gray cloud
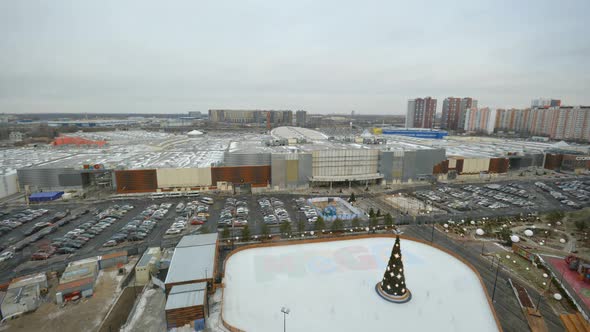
<point x="322" y="56"/>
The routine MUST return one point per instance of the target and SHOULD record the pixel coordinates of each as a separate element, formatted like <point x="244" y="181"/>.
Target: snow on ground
<point x="330" y="287"/>
<point x="145" y="296"/>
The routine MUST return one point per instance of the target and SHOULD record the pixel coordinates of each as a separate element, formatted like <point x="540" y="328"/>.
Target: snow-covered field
<point x="330" y="287"/>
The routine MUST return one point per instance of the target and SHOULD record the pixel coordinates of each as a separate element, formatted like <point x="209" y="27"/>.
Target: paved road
<point x="506" y="305"/>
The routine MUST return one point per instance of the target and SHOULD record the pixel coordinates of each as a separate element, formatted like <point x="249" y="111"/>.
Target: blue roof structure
<point x="45" y="196"/>
<point x="424" y="133"/>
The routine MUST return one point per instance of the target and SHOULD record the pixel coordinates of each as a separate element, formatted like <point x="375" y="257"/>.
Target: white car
<point x="6" y="256"/>
<point x="173" y="231"/>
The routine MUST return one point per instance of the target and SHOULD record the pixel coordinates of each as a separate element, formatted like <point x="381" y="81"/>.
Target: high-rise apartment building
<point x="300" y="118"/>
<point x="277" y="118"/>
<point x="451" y="112"/>
<point x="545" y="103"/>
<point x="481" y="120"/>
<point x="466" y="103"/>
<point x="421" y="113"/>
<point x="565" y="122"/>
<point x="454" y="110"/>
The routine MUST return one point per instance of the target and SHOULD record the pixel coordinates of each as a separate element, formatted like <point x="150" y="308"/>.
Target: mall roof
<point x="297" y="132"/>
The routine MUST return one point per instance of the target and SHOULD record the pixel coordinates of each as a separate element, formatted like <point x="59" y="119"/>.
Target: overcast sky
<point x="318" y="55"/>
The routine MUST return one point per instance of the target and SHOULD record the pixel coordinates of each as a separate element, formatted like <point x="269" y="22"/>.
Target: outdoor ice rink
<point x="329" y="286"/>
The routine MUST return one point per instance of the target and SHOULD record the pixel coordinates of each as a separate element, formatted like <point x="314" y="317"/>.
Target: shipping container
<point x="136" y="181"/>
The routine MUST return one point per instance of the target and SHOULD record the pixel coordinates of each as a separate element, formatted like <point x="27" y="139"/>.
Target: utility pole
<point x="496" y="280"/>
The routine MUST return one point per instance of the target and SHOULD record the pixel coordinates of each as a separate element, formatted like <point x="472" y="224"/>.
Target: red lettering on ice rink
<point x="355" y="258"/>
<point x="301" y="263"/>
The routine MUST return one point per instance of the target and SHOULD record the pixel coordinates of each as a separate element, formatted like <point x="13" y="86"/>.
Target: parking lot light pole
<point x="496" y="280"/>
<point x="285" y="312"/>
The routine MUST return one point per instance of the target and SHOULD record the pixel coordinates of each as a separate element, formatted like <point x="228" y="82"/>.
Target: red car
<point x="43" y="254"/>
<point x="197" y="221"/>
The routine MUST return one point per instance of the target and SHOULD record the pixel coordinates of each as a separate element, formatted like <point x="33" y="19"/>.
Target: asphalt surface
<point x="505" y="302"/>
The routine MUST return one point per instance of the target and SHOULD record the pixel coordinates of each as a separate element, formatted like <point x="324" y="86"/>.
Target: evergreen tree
<point x="320" y="224"/>
<point x="505" y="234"/>
<point x="352" y="198"/>
<point x="355" y="222"/>
<point x="265" y="230"/>
<point x="301" y="226"/>
<point x="225" y="233"/>
<point x="285" y="228"/>
<point x="246" y="233"/>
<point x="337" y="225"/>
<point x="388" y="220"/>
<point x="378" y="213"/>
<point x="371" y="212"/>
<point x="580" y="225"/>
<point x="373" y="221"/>
<point x="394" y="281"/>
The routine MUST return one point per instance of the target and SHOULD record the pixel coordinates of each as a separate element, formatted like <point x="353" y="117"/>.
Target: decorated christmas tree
<point x="393" y="285"/>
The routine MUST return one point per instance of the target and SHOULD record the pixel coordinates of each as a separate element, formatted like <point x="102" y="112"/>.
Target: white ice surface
<point x="330" y="287"/>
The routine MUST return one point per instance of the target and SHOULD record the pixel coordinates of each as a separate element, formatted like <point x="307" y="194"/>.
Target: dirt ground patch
<point x="86" y="315"/>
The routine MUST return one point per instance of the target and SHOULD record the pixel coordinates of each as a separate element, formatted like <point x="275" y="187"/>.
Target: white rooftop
<point x="330" y="286"/>
<point x="193" y="259"/>
<point x="297" y="132"/>
<point x="197" y="240"/>
<point x="189" y="295"/>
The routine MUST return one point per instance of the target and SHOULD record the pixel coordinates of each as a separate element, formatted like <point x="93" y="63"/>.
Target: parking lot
<point x="147" y="221"/>
<point x="507" y="197"/>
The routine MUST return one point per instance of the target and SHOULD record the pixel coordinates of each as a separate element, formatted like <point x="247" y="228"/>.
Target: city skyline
<point x="329" y="57"/>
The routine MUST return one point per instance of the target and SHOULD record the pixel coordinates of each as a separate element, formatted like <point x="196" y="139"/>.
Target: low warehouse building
<point x="19" y="300"/>
<point x="77" y="281"/>
<point x="186" y="304"/>
<point x="39" y="279"/>
<point x="194" y="260"/>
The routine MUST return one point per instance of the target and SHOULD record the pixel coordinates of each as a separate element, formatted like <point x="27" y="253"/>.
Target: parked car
<point x="66" y="250"/>
<point x="173" y="231"/>
<point x="110" y="243"/>
<point x="6" y="256"/>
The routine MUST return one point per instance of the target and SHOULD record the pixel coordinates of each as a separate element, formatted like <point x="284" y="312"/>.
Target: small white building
<point x="147" y="265"/>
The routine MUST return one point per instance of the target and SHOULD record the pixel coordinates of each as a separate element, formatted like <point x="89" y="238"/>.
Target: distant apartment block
<point x="481" y="120"/>
<point x="451" y="111"/>
<point x="466" y="103"/>
<point x="421" y="113"/>
<point x="545" y="103"/>
<point x="454" y="110"/>
<point x="300" y="118"/>
<point x="565" y="122"/>
<point x="277" y="117"/>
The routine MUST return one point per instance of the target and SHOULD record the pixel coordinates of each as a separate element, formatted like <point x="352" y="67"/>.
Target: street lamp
<point x="285" y="312"/>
